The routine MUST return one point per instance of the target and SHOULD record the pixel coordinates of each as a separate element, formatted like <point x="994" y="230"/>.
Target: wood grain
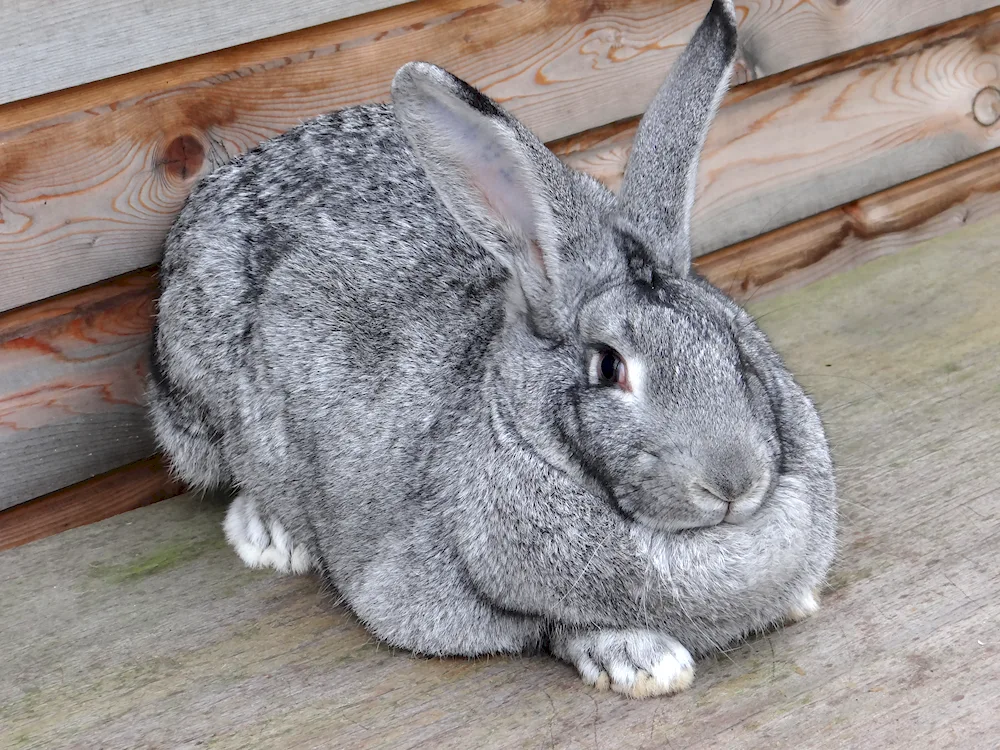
<point x="84" y="199"/>
<point x="785" y="259"/>
<point x="242" y="60"/>
<point x="50" y="46"/>
<point x="71" y="387"/>
<point x="798" y="143"/>
<point x="127" y="488"/>
<point x="820" y="30"/>
<point x="87" y="193"/>
<point x="147" y="632"/>
<point x="857" y="232"/>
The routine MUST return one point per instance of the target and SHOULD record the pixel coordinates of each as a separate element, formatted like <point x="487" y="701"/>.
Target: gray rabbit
<point x="486" y="398"/>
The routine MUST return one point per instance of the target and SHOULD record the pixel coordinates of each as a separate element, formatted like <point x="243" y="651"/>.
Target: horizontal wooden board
<point x="147" y="631"/>
<point x="819" y="31"/>
<point x="54" y="45"/>
<point x="858" y="232"/>
<point x="124" y="489"/>
<point x="71" y="387"/>
<point x="109" y="324"/>
<point x="798" y="143"/>
<point x="243" y="60"/>
<point x="87" y="191"/>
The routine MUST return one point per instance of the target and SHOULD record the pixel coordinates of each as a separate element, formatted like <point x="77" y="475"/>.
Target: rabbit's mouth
<point x="638" y="505"/>
<point x="669" y="526"/>
<point x="677" y="494"/>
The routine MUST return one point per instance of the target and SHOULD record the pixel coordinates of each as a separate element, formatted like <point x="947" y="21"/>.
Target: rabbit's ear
<point x="657" y="193"/>
<point x="497" y="180"/>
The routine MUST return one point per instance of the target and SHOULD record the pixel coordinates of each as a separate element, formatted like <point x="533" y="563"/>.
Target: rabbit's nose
<point x="736" y="479"/>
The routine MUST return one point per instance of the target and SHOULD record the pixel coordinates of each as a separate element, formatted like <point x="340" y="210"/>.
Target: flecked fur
<point x="381" y="328"/>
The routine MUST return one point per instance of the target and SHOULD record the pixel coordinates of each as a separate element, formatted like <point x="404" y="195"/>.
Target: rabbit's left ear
<point x="657" y="193"/>
<point x="497" y="179"/>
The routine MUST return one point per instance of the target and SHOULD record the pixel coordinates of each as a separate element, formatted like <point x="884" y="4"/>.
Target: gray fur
<point x="657" y="193"/>
<point x="381" y="326"/>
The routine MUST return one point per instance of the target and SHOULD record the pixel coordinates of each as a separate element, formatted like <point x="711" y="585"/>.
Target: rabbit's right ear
<point x="495" y="177"/>
<point x="657" y="193"/>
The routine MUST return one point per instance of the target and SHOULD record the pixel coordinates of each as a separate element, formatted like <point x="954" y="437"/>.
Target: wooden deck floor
<point x="145" y="631"/>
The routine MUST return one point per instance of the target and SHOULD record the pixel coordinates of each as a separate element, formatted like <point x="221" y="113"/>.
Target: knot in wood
<point x="183" y="157"/>
<point x="986" y="106"/>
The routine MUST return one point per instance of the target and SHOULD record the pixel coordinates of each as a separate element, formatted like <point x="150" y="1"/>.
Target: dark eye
<point x="611" y="369"/>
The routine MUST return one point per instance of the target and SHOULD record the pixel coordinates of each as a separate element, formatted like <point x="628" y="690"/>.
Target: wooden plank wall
<point x="91" y="178"/>
<point x="89" y="194"/>
<point x="72" y="374"/>
<point x="133" y="486"/>
<point x="803" y="141"/>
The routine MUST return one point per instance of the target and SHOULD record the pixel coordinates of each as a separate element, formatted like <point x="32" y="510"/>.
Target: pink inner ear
<point x="497" y="180"/>
<point x="493" y="166"/>
<point x="485" y="172"/>
<point x="535" y="249"/>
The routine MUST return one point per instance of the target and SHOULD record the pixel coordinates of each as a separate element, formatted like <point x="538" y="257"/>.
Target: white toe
<point x="256" y="534"/>
<point x="622" y="675"/>
<point x="260" y="545"/>
<point x="806" y="606"/>
<point x="636" y="663"/>
<point x="301" y="559"/>
<point x="673" y="673"/>
<point x="278" y="554"/>
<point x="280" y="540"/>
<point x="245" y="532"/>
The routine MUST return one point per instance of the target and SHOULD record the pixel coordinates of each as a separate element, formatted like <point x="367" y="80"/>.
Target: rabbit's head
<point x="615" y="361"/>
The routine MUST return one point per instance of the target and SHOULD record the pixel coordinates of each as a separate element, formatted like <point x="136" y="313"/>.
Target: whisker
<point x="757" y="318"/>
<point x="753" y="294"/>
<point x="586" y="566"/>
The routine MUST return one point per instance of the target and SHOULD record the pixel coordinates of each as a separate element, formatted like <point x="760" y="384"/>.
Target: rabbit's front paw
<point x="805" y="606"/>
<point x="262" y="543"/>
<point x="637" y="663"/>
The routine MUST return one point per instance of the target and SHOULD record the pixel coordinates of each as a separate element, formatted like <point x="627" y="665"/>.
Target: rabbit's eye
<point x="611" y="369"/>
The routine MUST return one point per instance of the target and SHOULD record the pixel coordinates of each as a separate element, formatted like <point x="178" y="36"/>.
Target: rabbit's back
<point x="341" y="197"/>
<point x="319" y="270"/>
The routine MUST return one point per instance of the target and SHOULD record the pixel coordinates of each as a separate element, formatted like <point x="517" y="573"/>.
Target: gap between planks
<point x="47" y="47"/>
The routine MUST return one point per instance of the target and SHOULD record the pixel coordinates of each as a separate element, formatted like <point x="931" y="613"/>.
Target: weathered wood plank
<point x="72" y="371"/>
<point x="252" y="58"/>
<point x="798" y="143"/>
<point x="779" y="35"/>
<point x="134" y="486"/>
<point x="88" y="193"/>
<point x="819" y="31"/>
<point x="859" y="231"/>
<point x="149" y="633"/>
<point x="50" y="46"/>
<point x="40" y="447"/>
